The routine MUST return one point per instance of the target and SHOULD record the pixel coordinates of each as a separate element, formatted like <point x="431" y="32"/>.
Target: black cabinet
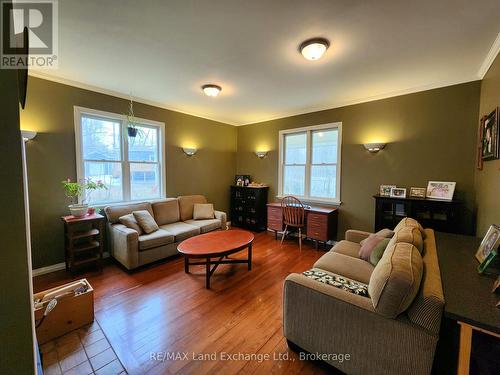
<point x="442" y="216"/>
<point x="248" y="207"/>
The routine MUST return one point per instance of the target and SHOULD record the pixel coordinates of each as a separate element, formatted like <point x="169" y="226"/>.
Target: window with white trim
<point x="310" y="163"/>
<point x="130" y="167"/>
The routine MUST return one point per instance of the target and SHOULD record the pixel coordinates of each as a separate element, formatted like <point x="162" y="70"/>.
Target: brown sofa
<point x="174" y="216"/>
<point x="393" y="330"/>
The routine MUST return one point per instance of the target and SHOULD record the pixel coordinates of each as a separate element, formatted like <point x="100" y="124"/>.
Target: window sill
<point x="101" y="206"/>
<point x="326" y="202"/>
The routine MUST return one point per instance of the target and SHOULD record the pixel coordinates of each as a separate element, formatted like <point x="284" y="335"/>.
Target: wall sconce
<point x="374" y="147"/>
<point x="28" y="135"/>
<point x="261" y="154"/>
<point x="189" y="151"/>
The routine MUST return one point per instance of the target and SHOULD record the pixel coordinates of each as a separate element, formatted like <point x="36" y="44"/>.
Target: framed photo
<point x="489" y="244"/>
<point x="385" y="190"/>
<point x="489" y="136"/>
<point x="398" y="192"/>
<point x="496" y="286"/>
<point x="441" y="190"/>
<point x="479" y="155"/>
<point x="416" y="192"/>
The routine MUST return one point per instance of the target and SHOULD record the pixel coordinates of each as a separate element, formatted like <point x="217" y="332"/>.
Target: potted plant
<point x="131" y="121"/>
<point x="76" y="190"/>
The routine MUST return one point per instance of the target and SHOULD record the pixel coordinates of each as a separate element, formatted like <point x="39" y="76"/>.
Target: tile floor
<point x="81" y="352"/>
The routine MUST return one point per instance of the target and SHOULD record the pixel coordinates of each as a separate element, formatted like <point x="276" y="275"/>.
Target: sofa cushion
<point x="146" y="221"/>
<point x="206" y="225"/>
<point x="186" y="205"/>
<point x="157" y="238"/>
<point x="347" y="248"/>
<point x="409" y="235"/>
<point x="166" y="211"/>
<point x="130" y="222"/>
<point x="337" y="281"/>
<point x="409" y="222"/>
<point x="368" y="245"/>
<point x="385" y="233"/>
<point x="378" y="251"/>
<point x="344" y="265"/>
<point x="181" y="230"/>
<point x="396" y="279"/>
<point x="203" y="211"/>
<point x="113" y="213"/>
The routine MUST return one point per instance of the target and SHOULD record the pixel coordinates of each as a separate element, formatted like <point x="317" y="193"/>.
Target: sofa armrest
<point x="356" y="235"/>
<point x="125" y="245"/>
<point x="222" y="217"/>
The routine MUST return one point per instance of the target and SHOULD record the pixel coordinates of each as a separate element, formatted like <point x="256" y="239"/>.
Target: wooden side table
<point x="83" y="240"/>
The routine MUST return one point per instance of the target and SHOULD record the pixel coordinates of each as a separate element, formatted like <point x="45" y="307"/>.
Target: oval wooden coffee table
<point x="217" y="244"/>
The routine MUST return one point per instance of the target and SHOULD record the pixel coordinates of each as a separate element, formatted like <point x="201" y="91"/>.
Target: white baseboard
<point x="56" y="267"/>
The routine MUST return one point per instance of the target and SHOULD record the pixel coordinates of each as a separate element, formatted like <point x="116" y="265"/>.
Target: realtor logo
<point x="39" y="18"/>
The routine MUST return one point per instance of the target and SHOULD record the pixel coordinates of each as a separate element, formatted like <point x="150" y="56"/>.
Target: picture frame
<point x="418" y="192"/>
<point x="385" y="190"/>
<point x="496" y="285"/>
<point x="490" y="243"/>
<point x="489" y="136"/>
<point x="479" y="155"/>
<point x="441" y="190"/>
<point x="398" y="192"/>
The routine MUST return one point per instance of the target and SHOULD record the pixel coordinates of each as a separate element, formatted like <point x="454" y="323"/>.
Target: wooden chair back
<point x="293" y="211"/>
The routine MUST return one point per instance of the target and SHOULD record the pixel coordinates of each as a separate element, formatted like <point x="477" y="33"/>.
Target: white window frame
<point x="122" y="119"/>
<point x="281" y="166"/>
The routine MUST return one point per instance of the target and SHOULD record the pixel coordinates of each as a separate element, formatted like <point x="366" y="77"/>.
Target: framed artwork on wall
<point x="489" y="136"/>
<point x="479" y="156"/>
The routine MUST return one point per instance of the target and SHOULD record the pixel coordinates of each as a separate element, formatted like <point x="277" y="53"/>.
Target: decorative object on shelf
<point x="385" y="190"/>
<point x="490" y="137"/>
<point x="211" y="90"/>
<point x="416" y="192"/>
<point x="374" y="147"/>
<point x="398" y="192"/>
<point x="479" y="155"/>
<point x="261" y="154"/>
<point x="490" y="243"/>
<point x="441" y="190"/>
<point x="314" y="49"/>
<point x="242" y="179"/>
<point x="189" y="151"/>
<point x="256" y="184"/>
<point x="77" y="191"/>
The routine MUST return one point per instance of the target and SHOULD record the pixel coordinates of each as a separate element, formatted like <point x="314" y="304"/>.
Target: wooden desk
<point x="468" y="297"/>
<point x="321" y="222"/>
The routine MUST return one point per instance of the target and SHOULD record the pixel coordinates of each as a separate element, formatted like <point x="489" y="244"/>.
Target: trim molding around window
<point x="122" y="159"/>
<point x="308" y="163"/>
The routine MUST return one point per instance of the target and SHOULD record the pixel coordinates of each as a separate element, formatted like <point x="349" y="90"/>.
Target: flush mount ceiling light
<point x="313" y="49"/>
<point x="211" y="90"/>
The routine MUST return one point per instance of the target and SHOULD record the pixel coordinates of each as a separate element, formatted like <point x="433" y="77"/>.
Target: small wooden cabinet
<point x="84" y="240"/>
<point x="321" y="222"/>
<point x="442" y="216"/>
<point x="248" y="207"/>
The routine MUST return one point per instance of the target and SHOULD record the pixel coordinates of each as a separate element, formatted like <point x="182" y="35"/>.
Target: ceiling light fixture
<point x="313" y="49"/>
<point x="211" y="90"/>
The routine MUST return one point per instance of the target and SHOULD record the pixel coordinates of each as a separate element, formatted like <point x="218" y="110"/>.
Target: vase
<point x="91" y="210"/>
<point x="78" y="210"/>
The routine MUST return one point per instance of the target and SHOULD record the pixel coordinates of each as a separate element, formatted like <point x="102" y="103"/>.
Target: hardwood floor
<point x="161" y="311"/>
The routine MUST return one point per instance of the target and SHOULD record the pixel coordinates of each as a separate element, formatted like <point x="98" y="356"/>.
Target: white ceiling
<point x="163" y="51"/>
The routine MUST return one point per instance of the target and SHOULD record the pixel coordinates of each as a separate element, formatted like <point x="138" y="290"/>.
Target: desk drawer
<point x="275" y="224"/>
<point x="317" y="219"/>
<point x="317" y="233"/>
<point x="274" y="213"/>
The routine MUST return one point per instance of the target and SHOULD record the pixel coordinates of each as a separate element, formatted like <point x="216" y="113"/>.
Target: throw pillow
<point x="337" y="281"/>
<point x="384" y="233"/>
<point x="202" y="211"/>
<point x="130" y="222"/>
<point x="145" y="221"/>
<point x="378" y="251"/>
<point x="369" y="244"/>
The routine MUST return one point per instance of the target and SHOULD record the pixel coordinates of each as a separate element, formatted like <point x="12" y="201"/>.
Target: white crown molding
<point x="334" y="105"/>
<point x="116" y="94"/>
<point x="490" y="57"/>
<point x="302" y="111"/>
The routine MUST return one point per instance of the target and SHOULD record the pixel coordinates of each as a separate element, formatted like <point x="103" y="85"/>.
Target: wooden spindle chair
<point x="293" y="216"/>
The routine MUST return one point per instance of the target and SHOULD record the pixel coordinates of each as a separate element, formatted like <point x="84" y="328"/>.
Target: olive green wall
<point x="487" y="181"/>
<point x="51" y="156"/>
<point x="16" y="350"/>
<point x="430" y="136"/>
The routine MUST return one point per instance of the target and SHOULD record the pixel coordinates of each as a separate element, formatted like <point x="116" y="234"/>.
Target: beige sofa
<point x="393" y="330"/>
<point x="174" y="216"/>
